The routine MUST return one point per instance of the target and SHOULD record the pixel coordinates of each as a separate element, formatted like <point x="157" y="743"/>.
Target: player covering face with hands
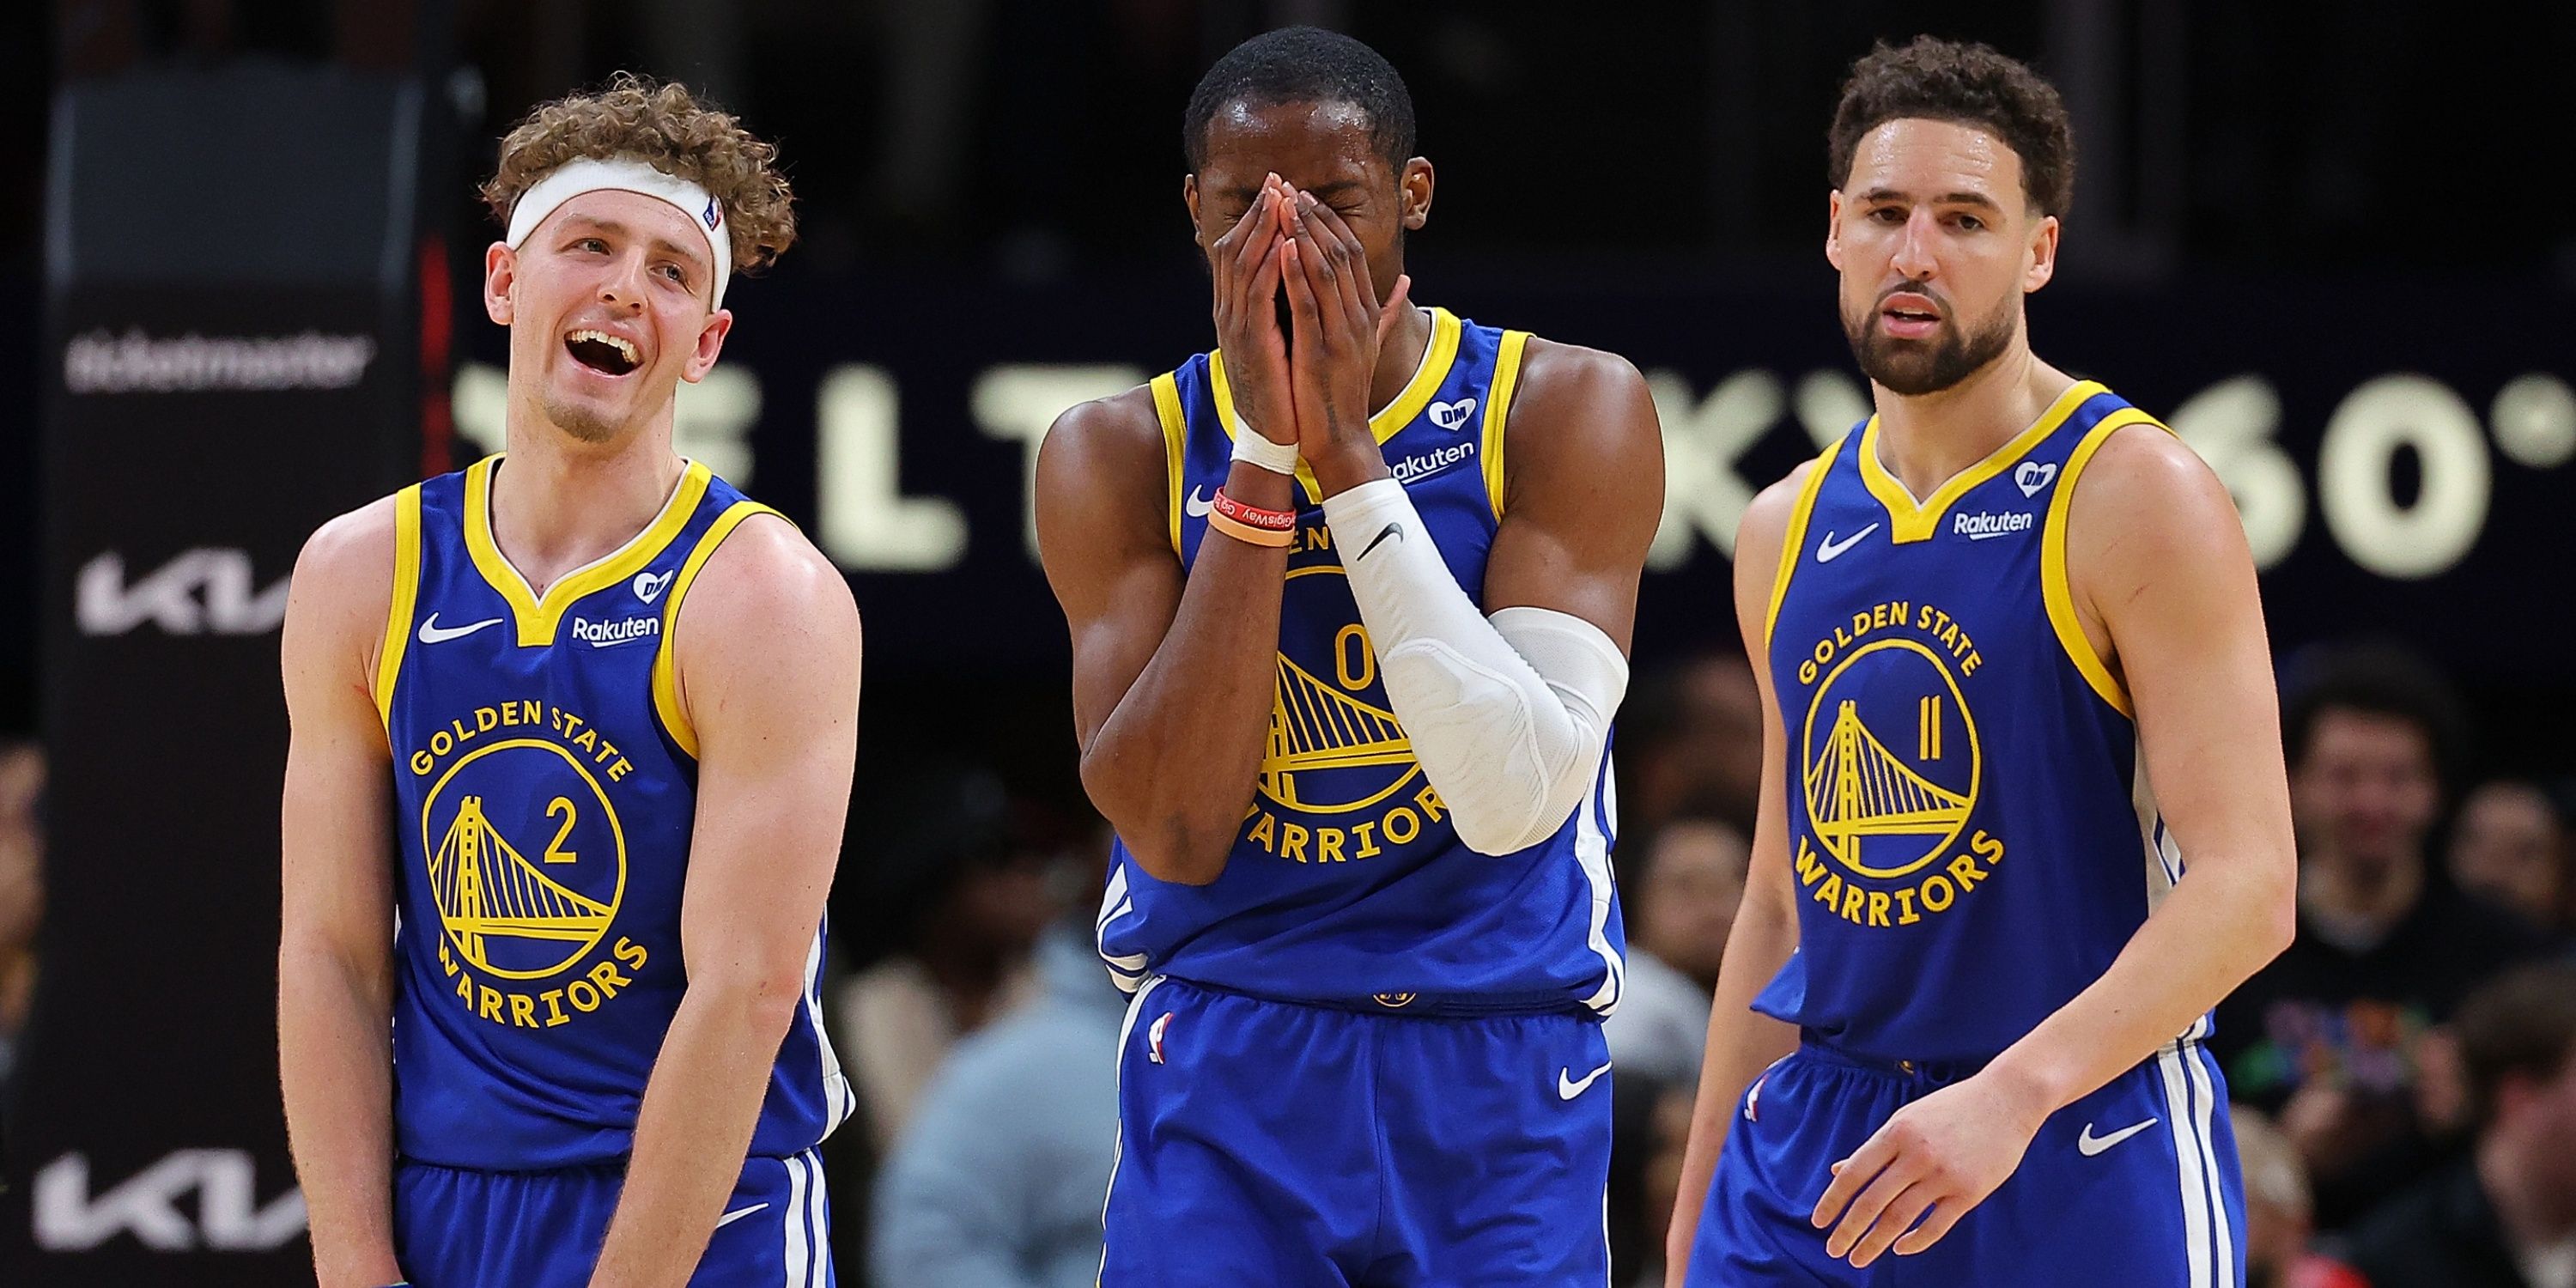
<point x="1349" y="598"/>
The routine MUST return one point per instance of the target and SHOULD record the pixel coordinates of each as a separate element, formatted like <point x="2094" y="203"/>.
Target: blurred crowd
<point x="2404" y="1076"/>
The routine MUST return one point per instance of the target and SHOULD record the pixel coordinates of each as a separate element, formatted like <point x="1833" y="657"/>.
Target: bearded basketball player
<point x="2024" y="819"/>
<point x="1350" y="598"/>
<point x="559" y="1025"/>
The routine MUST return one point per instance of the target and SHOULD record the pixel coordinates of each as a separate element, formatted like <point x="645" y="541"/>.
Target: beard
<point x="1915" y="367"/>
<point x="582" y="421"/>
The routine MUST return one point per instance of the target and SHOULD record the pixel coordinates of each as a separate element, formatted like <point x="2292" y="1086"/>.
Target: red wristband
<point x="1252" y="516"/>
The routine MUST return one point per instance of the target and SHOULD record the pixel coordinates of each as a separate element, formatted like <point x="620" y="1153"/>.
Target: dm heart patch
<point x="1452" y="416"/>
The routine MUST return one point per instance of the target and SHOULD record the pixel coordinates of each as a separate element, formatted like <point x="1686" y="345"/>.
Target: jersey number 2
<point x="555" y="852"/>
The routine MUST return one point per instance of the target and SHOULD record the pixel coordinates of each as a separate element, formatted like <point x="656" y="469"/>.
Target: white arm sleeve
<point x="1510" y="716"/>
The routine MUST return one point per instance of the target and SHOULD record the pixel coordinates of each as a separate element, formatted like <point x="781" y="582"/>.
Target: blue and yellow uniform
<point x="1973" y="841"/>
<point x="545" y="786"/>
<point x="1361" y="1055"/>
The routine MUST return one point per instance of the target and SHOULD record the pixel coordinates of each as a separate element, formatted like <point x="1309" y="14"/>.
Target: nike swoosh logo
<point x="1831" y="549"/>
<point x="1395" y="530"/>
<point x="432" y="633"/>
<point x="1196" y="505"/>
<point x="2089" y="1144"/>
<point x="1568" y="1086"/>
<point x="737" y="1214"/>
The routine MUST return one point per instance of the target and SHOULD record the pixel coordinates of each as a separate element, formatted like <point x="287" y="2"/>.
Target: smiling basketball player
<point x="607" y="705"/>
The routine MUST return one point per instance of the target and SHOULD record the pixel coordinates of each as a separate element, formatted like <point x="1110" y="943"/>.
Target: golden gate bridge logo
<point x="1315" y="727"/>
<point x="1856" y="789"/>
<point x="479" y="898"/>
<point x="501" y="910"/>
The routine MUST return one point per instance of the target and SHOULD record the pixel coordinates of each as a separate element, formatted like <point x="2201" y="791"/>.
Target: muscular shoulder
<point x="1765" y="525"/>
<point x="767" y="577"/>
<point x="1579" y="413"/>
<point x="353" y="552"/>
<point x="1573" y="398"/>
<point x="1101" y="478"/>
<point x="2145" y="499"/>
<point x="1119" y="434"/>
<point x="343" y="586"/>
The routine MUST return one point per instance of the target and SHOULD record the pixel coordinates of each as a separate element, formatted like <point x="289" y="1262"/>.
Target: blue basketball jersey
<point x="545" y="785"/>
<point x="1347" y="883"/>
<point x="1973" y="838"/>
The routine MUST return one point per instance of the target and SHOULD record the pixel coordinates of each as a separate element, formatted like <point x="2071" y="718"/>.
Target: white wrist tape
<point x="1253" y="449"/>
<point x="1510" y="716"/>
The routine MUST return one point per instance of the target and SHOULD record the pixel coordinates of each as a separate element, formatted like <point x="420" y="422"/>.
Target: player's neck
<point x="1397" y="359"/>
<point x="1927" y="439"/>
<point x="559" y="502"/>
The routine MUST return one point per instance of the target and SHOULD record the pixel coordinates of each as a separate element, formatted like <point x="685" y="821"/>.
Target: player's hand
<point x="1246" y="263"/>
<point x="1930" y="1162"/>
<point x="1339" y="325"/>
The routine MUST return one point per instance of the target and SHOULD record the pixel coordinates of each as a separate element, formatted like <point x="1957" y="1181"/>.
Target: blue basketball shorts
<point x="2135" y="1184"/>
<point x="471" y="1229"/>
<point x="1297" y="1146"/>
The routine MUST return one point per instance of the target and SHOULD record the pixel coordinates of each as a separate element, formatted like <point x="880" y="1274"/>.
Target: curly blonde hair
<point x="665" y="126"/>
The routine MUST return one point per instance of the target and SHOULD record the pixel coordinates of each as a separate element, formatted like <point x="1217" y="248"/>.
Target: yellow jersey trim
<point x="1796" y="539"/>
<point x="1176" y="432"/>
<point x="1436" y="360"/>
<point x="2054" y="587"/>
<point x="1909" y="520"/>
<point x="666" y="666"/>
<point x="389" y="659"/>
<point x="1498" y="408"/>
<point x="537" y="618"/>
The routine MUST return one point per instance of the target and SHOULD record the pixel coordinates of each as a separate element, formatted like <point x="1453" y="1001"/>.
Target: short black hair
<point x="1304" y="65"/>
<point x="2522" y="1023"/>
<point x="2379" y="679"/>
<point x="1948" y="80"/>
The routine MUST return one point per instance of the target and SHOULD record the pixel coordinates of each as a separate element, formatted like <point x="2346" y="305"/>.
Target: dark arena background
<point x="2333" y="246"/>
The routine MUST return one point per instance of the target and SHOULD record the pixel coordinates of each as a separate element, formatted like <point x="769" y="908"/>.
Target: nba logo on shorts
<point x="1154" y="1038"/>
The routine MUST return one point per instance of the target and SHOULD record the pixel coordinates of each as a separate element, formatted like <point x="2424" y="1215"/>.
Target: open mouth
<point x="1909" y="315"/>
<point x="602" y="352"/>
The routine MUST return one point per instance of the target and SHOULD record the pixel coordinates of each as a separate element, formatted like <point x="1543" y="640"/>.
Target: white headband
<point x="626" y="174"/>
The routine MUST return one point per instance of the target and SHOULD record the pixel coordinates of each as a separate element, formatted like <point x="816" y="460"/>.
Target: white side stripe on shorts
<point x="820" y="1219"/>
<point x="1118" y="1147"/>
<point x="2188" y="1156"/>
<point x="2204" y="1104"/>
<point x="799" y="1255"/>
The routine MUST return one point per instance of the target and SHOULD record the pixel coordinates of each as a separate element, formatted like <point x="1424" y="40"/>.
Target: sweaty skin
<point x="1932" y="220"/>
<point x="767" y="654"/>
<point x="1174" y="668"/>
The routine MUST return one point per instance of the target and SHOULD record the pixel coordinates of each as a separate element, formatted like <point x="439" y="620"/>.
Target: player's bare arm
<point x="335" y="944"/>
<point x="2165" y="588"/>
<point x="1584" y="488"/>
<point x="1173" y="671"/>
<point x="767" y="651"/>
<point x="1508" y="711"/>
<point x="1741" y="1041"/>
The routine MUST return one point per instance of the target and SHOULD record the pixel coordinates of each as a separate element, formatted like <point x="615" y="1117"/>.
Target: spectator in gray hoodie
<point x="997" y="1180"/>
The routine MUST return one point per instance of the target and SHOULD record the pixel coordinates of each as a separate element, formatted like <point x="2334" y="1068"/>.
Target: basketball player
<point x="1349" y="601"/>
<point x="608" y="706"/>
<point x="2001" y="721"/>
